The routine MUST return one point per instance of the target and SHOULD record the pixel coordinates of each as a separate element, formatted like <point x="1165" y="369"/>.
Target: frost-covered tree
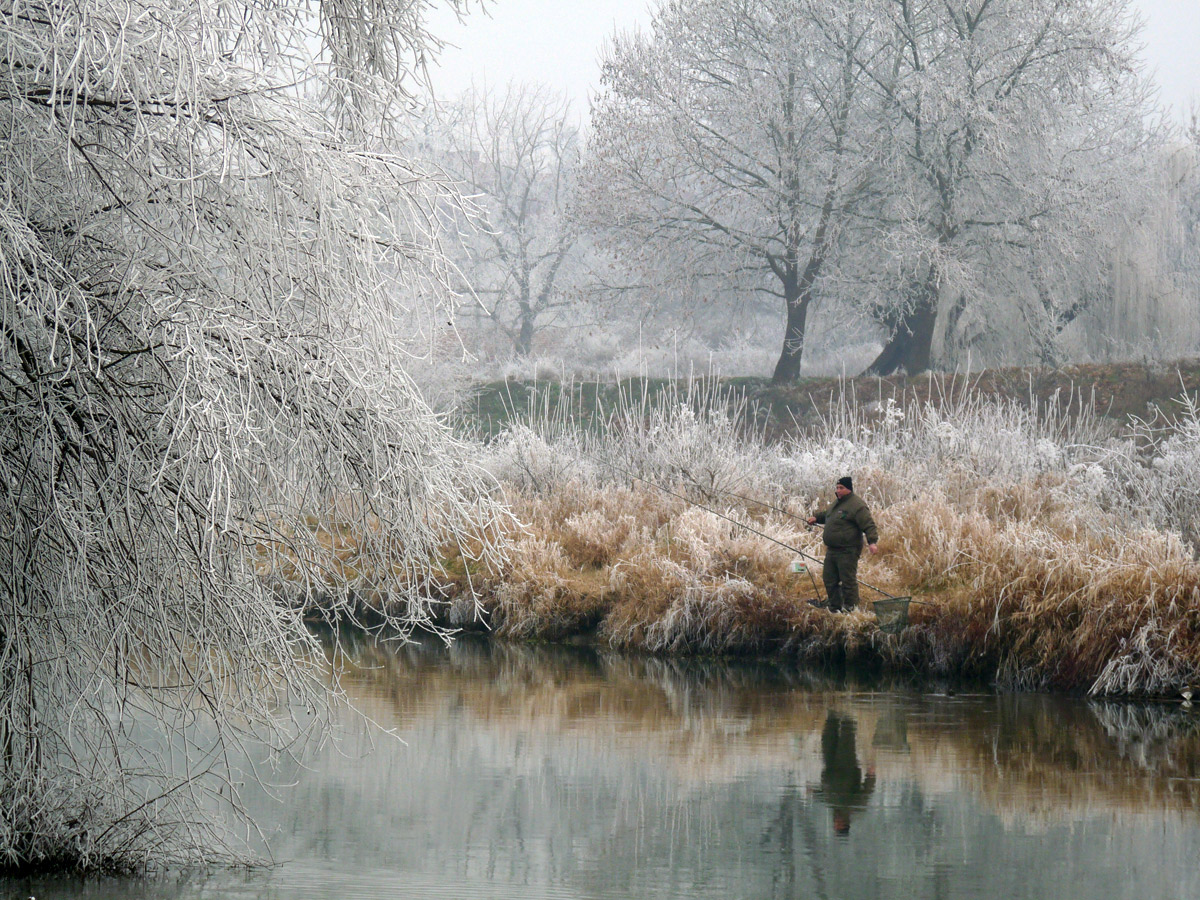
<point x="204" y="418"/>
<point x="735" y="139"/>
<point x="515" y="154"/>
<point x="954" y="171"/>
<point x="1016" y="128"/>
<point x="1151" y="308"/>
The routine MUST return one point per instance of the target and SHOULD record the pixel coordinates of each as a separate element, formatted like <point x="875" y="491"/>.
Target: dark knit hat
<point x="845" y="482"/>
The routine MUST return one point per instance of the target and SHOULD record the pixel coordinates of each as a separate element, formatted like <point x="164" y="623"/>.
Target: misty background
<point x="556" y="279"/>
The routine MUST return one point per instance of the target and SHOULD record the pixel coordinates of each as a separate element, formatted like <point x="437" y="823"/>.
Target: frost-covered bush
<point x="672" y="444"/>
<point x="688" y="440"/>
<point x="1162" y="482"/>
<point x="807" y="468"/>
<point x="533" y="462"/>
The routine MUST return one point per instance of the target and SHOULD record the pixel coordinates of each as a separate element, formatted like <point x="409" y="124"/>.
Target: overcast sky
<point x="556" y="42"/>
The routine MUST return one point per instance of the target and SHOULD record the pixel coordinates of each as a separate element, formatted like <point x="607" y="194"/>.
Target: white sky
<point x="556" y="42"/>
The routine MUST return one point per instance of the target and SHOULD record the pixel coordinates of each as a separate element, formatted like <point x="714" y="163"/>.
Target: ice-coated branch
<point x="208" y="297"/>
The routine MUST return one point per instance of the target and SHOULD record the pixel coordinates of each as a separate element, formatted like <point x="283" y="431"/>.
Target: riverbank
<point x="1049" y="547"/>
<point x="1016" y="589"/>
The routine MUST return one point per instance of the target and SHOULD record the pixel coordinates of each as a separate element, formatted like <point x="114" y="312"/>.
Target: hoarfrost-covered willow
<point x="209" y="290"/>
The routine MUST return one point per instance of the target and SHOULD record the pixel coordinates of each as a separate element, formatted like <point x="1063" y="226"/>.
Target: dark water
<point x="530" y="774"/>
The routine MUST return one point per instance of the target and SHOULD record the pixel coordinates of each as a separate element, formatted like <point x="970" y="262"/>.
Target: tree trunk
<point x="798" y="299"/>
<point x="798" y="294"/>
<point x="911" y="345"/>
<point x="524" y="339"/>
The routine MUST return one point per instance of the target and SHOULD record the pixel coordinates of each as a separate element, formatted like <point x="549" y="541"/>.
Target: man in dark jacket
<point x="846" y="523"/>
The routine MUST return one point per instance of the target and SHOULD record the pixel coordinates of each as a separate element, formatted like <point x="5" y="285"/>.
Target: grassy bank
<point x="1048" y="548"/>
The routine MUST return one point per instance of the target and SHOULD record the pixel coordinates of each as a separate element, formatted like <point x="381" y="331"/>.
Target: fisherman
<point x="846" y="523"/>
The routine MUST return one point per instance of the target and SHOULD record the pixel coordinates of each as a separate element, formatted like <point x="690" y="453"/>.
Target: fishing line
<point x="707" y="509"/>
<point x="736" y="495"/>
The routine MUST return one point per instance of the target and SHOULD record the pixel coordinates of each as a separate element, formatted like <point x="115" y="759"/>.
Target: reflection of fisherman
<point x="843" y="786"/>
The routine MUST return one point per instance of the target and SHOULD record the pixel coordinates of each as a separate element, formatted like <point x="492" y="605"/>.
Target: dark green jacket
<point x="846" y="522"/>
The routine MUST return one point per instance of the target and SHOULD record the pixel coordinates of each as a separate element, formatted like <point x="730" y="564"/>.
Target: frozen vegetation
<point x="1047" y="548"/>
<point x="236" y="260"/>
<point x="199" y="366"/>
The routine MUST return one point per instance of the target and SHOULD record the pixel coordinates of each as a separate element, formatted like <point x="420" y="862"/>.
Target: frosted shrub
<point x="813" y="466"/>
<point x="977" y="441"/>
<point x="526" y="460"/>
<point x="671" y="444"/>
<point x="988" y="440"/>
<point x="1092" y="480"/>
<point x="1165" y="481"/>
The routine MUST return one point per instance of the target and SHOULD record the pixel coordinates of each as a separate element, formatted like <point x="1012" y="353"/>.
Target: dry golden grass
<point x="1014" y="584"/>
<point x="1036" y="595"/>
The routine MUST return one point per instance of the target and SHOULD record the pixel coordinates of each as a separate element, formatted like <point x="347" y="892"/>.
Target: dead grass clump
<point x="1054" y="603"/>
<point x="1042" y="498"/>
<point x="926" y="542"/>
<point x="706" y="618"/>
<point x="542" y="597"/>
<point x="1106" y="615"/>
<point x="595" y="526"/>
<point x="593" y="538"/>
<point x="690" y="614"/>
<point x="883" y="488"/>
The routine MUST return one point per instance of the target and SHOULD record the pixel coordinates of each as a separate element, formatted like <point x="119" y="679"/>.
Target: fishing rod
<point x="752" y="530"/>
<point x="736" y="495"/>
<point x="790" y="515"/>
<point x="772" y="507"/>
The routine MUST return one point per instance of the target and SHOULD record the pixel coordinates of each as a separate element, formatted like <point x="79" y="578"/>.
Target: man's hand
<point x="811" y="520"/>
<point x="874" y="548"/>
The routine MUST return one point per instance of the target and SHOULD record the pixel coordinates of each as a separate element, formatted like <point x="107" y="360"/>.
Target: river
<point x="533" y="772"/>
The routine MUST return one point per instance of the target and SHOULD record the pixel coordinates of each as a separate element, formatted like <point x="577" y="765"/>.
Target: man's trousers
<point x="840" y="574"/>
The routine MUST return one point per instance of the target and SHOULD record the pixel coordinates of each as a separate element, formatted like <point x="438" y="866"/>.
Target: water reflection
<point x="558" y="772"/>
<point x="844" y="787"/>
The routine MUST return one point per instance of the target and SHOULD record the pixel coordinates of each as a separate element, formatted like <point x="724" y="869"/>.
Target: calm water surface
<point x="540" y="773"/>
